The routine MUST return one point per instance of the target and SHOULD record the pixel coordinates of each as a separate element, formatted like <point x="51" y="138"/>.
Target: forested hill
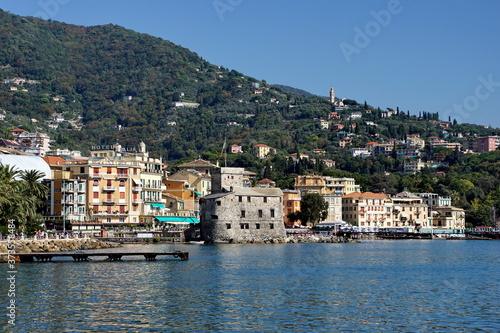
<point x="99" y="85"/>
<point x="106" y="77"/>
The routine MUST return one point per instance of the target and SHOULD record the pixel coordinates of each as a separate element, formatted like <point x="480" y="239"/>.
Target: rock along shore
<point x="56" y="245"/>
<point x="297" y="239"/>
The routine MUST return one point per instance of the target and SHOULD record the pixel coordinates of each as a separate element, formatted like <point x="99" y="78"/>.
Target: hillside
<point x="99" y="85"/>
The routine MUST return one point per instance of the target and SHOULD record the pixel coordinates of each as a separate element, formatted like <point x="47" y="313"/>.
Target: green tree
<point x="313" y="209"/>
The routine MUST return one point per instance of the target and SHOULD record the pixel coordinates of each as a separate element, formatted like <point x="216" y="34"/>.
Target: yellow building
<point x="367" y="209"/>
<point x="410" y="210"/>
<point x="448" y="217"/>
<point x="262" y="151"/>
<point x="291" y="202"/>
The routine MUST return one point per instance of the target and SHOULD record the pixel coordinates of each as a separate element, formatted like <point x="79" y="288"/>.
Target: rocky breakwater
<point x="297" y="239"/>
<point x="55" y="245"/>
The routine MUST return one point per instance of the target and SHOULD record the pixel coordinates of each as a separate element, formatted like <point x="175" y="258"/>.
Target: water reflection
<point x="371" y="286"/>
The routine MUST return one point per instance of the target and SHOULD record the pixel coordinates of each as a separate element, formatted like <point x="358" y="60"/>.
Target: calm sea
<point x="389" y="286"/>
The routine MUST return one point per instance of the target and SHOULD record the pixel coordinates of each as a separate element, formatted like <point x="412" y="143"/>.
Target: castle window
<point x="218" y="203"/>
<point x="240" y="198"/>
<point x="242" y="214"/>
<point x="272" y="212"/>
<point x="249" y="199"/>
<point x="260" y="213"/>
<point x="244" y="226"/>
<point x="271" y="225"/>
<point x="215" y="217"/>
<point x="228" y="225"/>
<point x="257" y="225"/>
<point x="265" y="199"/>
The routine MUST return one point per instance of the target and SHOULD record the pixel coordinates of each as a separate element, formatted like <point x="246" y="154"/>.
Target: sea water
<point x="372" y="286"/>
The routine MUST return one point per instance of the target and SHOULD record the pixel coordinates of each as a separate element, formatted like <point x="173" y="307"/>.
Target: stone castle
<point x="234" y="212"/>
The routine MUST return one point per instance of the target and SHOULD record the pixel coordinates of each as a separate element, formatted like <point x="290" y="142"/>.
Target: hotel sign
<point x="111" y="147"/>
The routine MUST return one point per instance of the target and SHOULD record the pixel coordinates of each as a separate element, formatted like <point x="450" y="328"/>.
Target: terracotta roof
<point x="54" y="160"/>
<point x="363" y="195"/>
<point x="18" y="130"/>
<point x="371" y="143"/>
<point x="197" y="164"/>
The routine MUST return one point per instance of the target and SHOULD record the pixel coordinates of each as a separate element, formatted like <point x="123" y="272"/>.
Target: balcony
<point x="136" y="188"/>
<point x="109" y="188"/>
<point x="137" y="201"/>
<point x="122" y="176"/>
<point x="109" y="201"/>
<point x="96" y="175"/>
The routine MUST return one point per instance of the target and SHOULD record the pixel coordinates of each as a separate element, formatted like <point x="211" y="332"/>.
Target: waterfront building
<point x="123" y="189"/>
<point x="409" y="210"/>
<point x="448" y="217"/>
<point x="233" y="211"/>
<point x="367" y="209"/>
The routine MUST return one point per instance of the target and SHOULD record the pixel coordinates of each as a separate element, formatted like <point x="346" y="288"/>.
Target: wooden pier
<point x="83" y="256"/>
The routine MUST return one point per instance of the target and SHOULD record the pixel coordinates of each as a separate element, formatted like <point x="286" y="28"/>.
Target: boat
<point x="199" y="242"/>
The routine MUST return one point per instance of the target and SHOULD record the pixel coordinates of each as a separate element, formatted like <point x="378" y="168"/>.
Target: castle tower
<point x="332" y="95"/>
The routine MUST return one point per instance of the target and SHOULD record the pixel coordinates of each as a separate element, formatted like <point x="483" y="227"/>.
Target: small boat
<point x="199" y="242"/>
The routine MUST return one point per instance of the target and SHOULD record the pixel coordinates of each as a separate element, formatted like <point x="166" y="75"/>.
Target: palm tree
<point x="35" y="193"/>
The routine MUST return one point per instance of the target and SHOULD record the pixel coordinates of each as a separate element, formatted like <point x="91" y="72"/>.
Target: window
<point x="122" y="183"/>
<point x="244" y="226"/>
<point x="214" y="217"/>
<point x="96" y="195"/>
<point x="242" y="214"/>
<point x="121" y="220"/>
<point x="108" y="182"/>
<point x="249" y="199"/>
<point x="272" y="212"/>
<point x="271" y="225"/>
<point x="122" y="195"/>
<point x="260" y="213"/>
<point x="108" y="219"/>
<point x="265" y="199"/>
<point x="257" y="225"/>
<point x="96" y="182"/>
<point x="109" y="170"/>
<point x="240" y="198"/>
<point x="82" y="170"/>
<point x="228" y="225"/>
<point x="122" y="209"/>
<point x="218" y="203"/>
<point x="96" y="171"/>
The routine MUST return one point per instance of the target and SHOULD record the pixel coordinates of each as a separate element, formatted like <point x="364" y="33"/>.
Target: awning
<point x="196" y="192"/>
<point x="177" y="219"/>
<point x="136" y="181"/>
<point x="157" y="205"/>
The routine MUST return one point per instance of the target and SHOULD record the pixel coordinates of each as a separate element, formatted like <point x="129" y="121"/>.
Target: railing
<point x="109" y="188"/>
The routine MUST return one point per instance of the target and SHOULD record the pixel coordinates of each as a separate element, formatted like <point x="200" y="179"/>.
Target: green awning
<point x="177" y="219"/>
<point x="157" y="205"/>
<point x="197" y="192"/>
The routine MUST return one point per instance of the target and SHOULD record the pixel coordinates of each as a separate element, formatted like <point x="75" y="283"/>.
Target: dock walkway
<point x="83" y="256"/>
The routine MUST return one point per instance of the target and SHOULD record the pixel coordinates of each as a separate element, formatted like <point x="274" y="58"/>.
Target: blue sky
<point x="420" y="55"/>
